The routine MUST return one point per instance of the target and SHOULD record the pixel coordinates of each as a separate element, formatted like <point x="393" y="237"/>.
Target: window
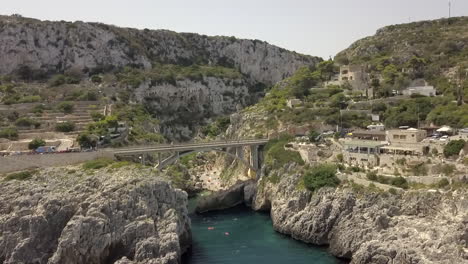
<point x="344" y="72"/>
<point x="351" y="78"/>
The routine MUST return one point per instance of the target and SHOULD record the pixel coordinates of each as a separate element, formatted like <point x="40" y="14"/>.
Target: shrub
<point x="314" y="136"/>
<point x="454" y="147"/>
<point x="65" y="127"/>
<point x="97" y="164"/>
<point x="96" y="79"/>
<point x="26" y="122"/>
<point x="442" y="183"/>
<point x="86" y="140"/>
<point x="35" y="143"/>
<point x="339" y="157"/>
<point x="399" y="182"/>
<point x="372" y="175"/>
<point x="66" y="107"/>
<point x="447" y="169"/>
<point x="321" y="176"/>
<point x="393" y="191"/>
<point x="20" y="176"/>
<point x="9" y="133"/>
<point x="96" y="116"/>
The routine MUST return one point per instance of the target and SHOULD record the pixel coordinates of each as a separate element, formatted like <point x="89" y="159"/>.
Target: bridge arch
<point x="170" y="160"/>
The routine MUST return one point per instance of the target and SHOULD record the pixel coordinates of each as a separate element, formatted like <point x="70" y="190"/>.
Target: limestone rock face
<point x="415" y="227"/>
<point x="60" y="46"/>
<point x="183" y="105"/>
<point x="239" y="193"/>
<point x="126" y="216"/>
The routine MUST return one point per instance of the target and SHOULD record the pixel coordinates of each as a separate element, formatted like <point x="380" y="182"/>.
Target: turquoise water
<point x="242" y="236"/>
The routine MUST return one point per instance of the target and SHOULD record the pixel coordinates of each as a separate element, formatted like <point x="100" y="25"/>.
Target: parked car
<point x="444" y="138"/>
<point x="45" y="149"/>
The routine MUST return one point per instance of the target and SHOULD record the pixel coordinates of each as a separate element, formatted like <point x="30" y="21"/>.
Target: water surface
<point x="242" y="236"/>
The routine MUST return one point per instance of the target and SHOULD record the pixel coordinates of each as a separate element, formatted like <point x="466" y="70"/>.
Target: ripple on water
<point x="240" y="235"/>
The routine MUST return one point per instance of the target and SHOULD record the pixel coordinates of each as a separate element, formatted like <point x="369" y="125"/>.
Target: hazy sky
<point x="314" y="27"/>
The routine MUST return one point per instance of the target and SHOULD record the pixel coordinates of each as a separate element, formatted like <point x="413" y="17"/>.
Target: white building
<point x="421" y="90"/>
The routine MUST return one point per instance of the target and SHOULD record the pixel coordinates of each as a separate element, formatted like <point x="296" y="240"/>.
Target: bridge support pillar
<point x="254" y="157"/>
<point x="240" y="153"/>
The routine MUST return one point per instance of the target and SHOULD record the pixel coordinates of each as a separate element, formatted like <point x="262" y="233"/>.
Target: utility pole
<point x="450" y="8"/>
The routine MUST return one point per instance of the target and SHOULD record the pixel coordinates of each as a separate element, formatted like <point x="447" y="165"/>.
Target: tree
<point x="327" y="69"/>
<point x="35" y="143"/>
<point x="66" y="107"/>
<point x="390" y="73"/>
<point x="454" y="147"/>
<point x="86" y="140"/>
<point x="65" y="127"/>
<point x="321" y="176"/>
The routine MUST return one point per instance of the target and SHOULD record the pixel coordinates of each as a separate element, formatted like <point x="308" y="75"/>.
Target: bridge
<point x="180" y="150"/>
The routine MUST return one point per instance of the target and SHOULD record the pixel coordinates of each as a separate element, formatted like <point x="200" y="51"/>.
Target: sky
<point x="313" y="27"/>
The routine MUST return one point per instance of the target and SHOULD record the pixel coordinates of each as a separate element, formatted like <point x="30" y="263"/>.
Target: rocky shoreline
<point x="64" y="215"/>
<point x="414" y="227"/>
<point x="361" y="225"/>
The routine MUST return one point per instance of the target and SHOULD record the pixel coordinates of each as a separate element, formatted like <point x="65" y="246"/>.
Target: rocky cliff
<point x="414" y="227"/>
<point x="105" y="216"/>
<point x="60" y="46"/>
<point x="183" y="105"/>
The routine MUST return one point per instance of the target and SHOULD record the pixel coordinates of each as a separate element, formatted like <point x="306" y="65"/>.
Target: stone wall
<point x="24" y="162"/>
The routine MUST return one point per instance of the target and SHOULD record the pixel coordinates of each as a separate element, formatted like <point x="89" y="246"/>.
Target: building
<point x="405" y="136"/>
<point x="362" y="152"/>
<point x="293" y="103"/>
<point x="406" y="142"/>
<point x="377" y="127"/>
<point x="421" y="90"/>
<point x="374" y="135"/>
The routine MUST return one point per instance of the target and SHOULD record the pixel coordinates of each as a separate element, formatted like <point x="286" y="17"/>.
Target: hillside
<point x="434" y="50"/>
<point x="46" y="47"/>
<point x="173" y="83"/>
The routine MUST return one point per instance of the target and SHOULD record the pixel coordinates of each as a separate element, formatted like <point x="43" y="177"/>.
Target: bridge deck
<point x="189" y="146"/>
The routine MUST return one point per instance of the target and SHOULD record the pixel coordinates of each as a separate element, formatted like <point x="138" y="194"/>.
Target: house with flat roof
<point x="362" y="152"/>
<point x="374" y="135"/>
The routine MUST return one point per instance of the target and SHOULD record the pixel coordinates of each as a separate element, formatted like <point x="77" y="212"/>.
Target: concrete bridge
<point x="180" y="150"/>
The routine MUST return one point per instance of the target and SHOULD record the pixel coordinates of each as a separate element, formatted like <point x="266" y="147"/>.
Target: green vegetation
<point x="20" y="176"/>
<point x="61" y="79"/>
<point x="454" y="147"/>
<point x="66" y="107"/>
<point x="217" y="127"/>
<point x="395" y="181"/>
<point x="27" y="122"/>
<point x="13" y="95"/>
<point x="277" y="156"/>
<point x="9" y="133"/>
<point x="179" y="176"/>
<point x="35" y="143"/>
<point x="96" y="116"/>
<point x="86" y="140"/>
<point x="323" y="175"/>
<point x="81" y="95"/>
<point x="97" y="164"/>
<point x="65" y="126"/>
